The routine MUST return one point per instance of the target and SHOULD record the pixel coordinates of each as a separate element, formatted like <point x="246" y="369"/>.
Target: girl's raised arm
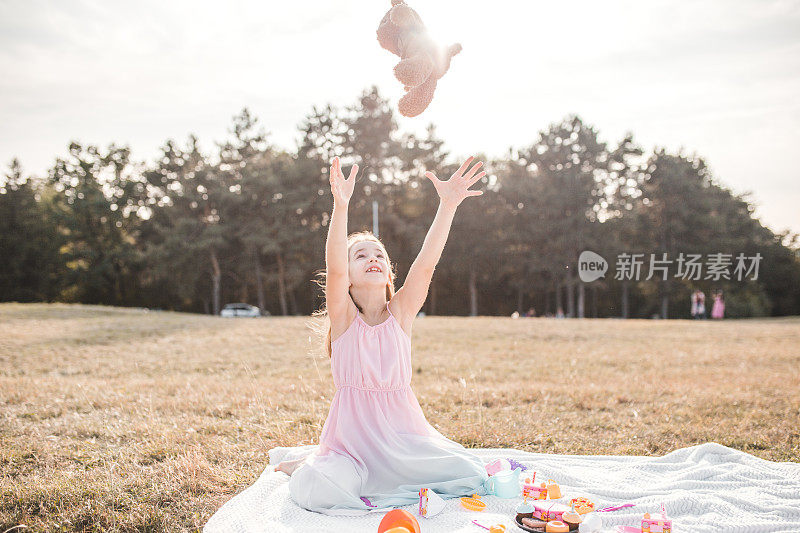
<point x="337" y="282"/>
<point x="411" y="296"/>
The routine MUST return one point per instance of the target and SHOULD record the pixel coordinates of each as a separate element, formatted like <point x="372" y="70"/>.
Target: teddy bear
<point x="422" y="61"/>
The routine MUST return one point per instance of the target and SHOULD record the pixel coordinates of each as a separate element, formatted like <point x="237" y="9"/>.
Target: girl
<point x="718" y="311"/>
<point x="377" y="449"/>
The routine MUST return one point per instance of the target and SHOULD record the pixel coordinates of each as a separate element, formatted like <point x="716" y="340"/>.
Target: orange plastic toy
<point x="399" y="521"/>
<point x="553" y="490"/>
<point x="556" y="526"/>
<point x="473" y="503"/>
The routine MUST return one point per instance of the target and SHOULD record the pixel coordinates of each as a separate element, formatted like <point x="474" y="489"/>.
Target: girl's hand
<point x="453" y="191"/>
<point x="341" y="188"/>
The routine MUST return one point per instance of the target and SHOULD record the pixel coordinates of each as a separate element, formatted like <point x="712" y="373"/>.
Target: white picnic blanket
<point x="705" y="488"/>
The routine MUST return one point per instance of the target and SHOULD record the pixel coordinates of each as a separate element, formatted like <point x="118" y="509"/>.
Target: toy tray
<point x="536" y="529"/>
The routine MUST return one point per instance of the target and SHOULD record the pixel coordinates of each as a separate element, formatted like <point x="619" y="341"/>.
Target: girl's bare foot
<point x="289" y="466"/>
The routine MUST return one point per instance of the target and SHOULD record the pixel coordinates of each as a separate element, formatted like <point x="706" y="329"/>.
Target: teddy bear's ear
<point x="388" y="35"/>
<point x="405" y="18"/>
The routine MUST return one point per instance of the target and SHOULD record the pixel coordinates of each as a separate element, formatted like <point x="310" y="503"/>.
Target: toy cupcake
<point x="572" y="519"/>
<point x="524" y="510"/>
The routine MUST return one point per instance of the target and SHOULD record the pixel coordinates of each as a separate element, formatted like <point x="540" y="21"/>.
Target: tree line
<point x="191" y="230"/>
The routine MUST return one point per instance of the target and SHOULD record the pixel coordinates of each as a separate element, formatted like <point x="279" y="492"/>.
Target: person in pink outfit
<point x="377" y="449"/>
<point x="718" y="310"/>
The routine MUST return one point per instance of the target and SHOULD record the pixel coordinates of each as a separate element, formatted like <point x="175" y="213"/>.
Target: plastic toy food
<point x="547" y="511"/>
<point x="582" y="505"/>
<point x="399" y="521"/>
<point x="473" y="504"/>
<point x="530" y="490"/>
<point x="556" y="526"/>
<point x="532" y="523"/>
<point x="657" y="523"/>
<point x="572" y="518"/>
<point x="524" y="510"/>
<point x="430" y="503"/>
<point x="553" y="490"/>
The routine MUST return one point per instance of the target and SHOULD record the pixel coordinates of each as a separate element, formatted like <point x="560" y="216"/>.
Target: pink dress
<point x="718" y="311"/>
<point x="376" y="448"/>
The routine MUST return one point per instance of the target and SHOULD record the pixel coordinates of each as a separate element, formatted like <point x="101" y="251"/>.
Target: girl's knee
<point x="308" y="490"/>
<point x="313" y="490"/>
<point x="300" y="486"/>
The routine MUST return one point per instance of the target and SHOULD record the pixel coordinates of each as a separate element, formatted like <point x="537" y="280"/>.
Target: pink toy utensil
<point x="497" y="528"/>
<point x="615" y="508"/>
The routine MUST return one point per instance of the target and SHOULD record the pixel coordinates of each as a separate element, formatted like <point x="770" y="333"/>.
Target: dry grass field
<point x="121" y="419"/>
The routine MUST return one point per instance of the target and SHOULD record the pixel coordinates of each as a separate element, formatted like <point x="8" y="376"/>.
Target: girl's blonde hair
<point x="323" y="327"/>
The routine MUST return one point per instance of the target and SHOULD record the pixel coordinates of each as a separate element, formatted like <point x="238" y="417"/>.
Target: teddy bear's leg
<point x="417" y="99"/>
<point x="413" y="71"/>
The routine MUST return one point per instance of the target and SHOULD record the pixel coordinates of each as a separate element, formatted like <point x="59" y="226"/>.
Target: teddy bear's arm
<point x="413" y="71"/>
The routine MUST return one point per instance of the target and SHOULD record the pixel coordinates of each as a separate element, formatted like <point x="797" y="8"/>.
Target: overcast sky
<point x="719" y="78"/>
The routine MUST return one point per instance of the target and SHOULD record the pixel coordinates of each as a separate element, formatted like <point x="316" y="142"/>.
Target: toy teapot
<point x="505" y="484"/>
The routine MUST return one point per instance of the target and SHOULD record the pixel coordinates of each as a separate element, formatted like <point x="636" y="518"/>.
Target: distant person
<point x="698" y="304"/>
<point x="560" y="313"/>
<point x="376" y="449"/>
<point x="530" y="312"/>
<point x="718" y="310"/>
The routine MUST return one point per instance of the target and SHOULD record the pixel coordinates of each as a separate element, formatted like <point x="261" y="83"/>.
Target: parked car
<point x="240" y="309"/>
